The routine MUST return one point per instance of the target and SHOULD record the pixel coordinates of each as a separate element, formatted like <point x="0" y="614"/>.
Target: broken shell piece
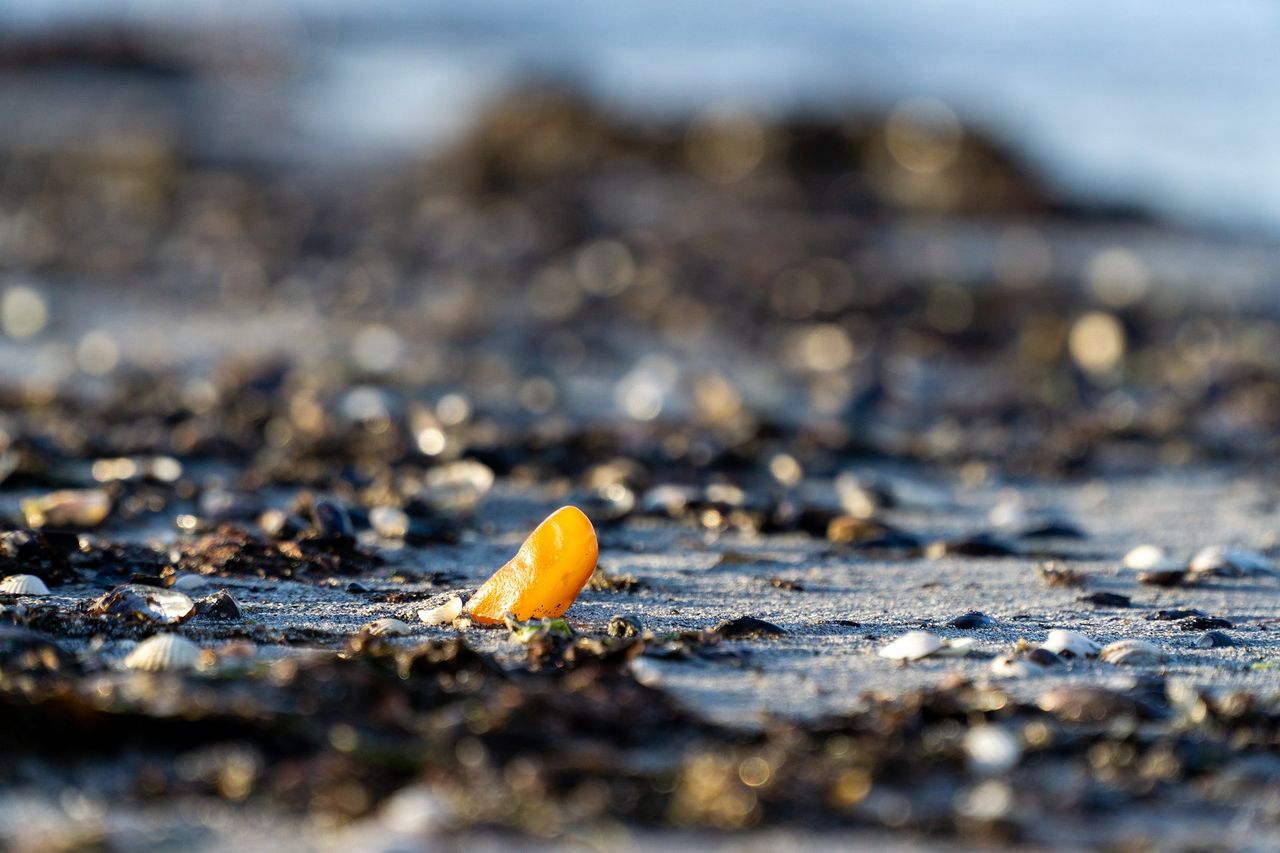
<point x="1230" y="562"/>
<point x="188" y="583"/>
<point x="1132" y="653"/>
<point x="912" y="645"/>
<point x="1015" y="665"/>
<point x="1214" y="640"/>
<point x="1070" y="644"/>
<point x="387" y="628"/>
<point x="443" y="614"/>
<point x="1150" y="558"/>
<point x="67" y="508"/>
<point x="164" y="653"/>
<point x="23" y="585"/>
<point x="957" y="648"/>
<point x="147" y="603"/>
<point x="623" y="626"/>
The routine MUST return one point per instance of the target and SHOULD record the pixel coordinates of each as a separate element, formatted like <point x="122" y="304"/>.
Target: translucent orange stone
<point x="545" y="576"/>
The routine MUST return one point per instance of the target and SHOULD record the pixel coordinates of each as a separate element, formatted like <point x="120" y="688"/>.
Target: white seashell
<point x="1230" y="562"/>
<point x="957" y="648"/>
<point x="164" y="653"/>
<point x="149" y="603"/>
<point x="991" y="749"/>
<point x="1014" y="666"/>
<point x="188" y="583"/>
<point x="387" y="628"/>
<point x="1132" y="653"/>
<point x="23" y="585"/>
<point x="1146" y="558"/>
<point x="444" y="614"/>
<point x="912" y="645"/>
<point x="1070" y="644"/>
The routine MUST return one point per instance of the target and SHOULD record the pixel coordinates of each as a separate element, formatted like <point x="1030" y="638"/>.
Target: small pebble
<point x="1107" y="599"/>
<point x="220" y="605"/>
<point x="748" y="628"/>
<point x="1202" y="623"/>
<point x="972" y="620"/>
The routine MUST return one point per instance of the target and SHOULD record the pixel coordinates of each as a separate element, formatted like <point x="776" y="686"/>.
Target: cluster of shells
<point x="1025" y="660"/>
<point x="1156" y="565"/>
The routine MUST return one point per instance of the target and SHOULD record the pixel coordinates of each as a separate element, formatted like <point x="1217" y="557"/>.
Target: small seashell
<point x="1150" y="558"/>
<point x="1070" y="644"/>
<point x="991" y="749"/>
<point x="188" y="583"/>
<point x="1132" y="653"/>
<point x="912" y="645"/>
<point x="1214" y="640"/>
<point x="68" y="508"/>
<point x="623" y="626"/>
<point x="148" y="603"/>
<point x="1230" y="562"/>
<point x="164" y="653"/>
<point x="957" y="648"/>
<point x="220" y="605"/>
<point x="443" y="614"/>
<point x="1014" y="666"/>
<point x="23" y="585"/>
<point x="387" y="628"/>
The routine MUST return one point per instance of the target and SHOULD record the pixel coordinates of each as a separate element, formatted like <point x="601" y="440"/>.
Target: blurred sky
<point x="1173" y="105"/>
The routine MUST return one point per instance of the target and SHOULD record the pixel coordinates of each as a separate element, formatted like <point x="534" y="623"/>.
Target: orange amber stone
<point x="545" y="576"/>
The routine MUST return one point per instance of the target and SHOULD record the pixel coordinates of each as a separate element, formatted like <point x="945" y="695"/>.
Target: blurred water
<point x="1175" y="105"/>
